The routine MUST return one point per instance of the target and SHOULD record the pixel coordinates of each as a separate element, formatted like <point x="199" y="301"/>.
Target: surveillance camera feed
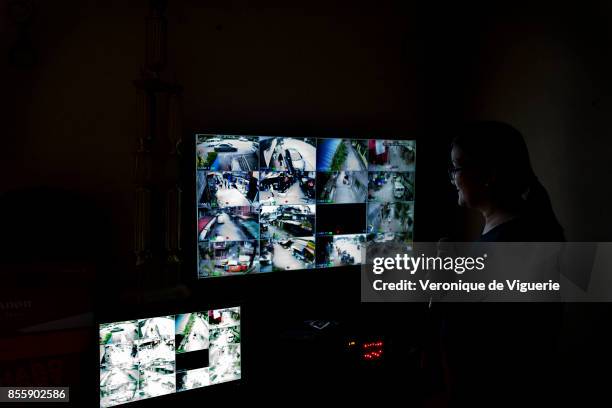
<point x="145" y="358"/>
<point x="273" y="203"/>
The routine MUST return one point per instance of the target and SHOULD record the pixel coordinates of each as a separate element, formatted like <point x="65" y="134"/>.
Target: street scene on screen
<point x="281" y="187"/>
<point x="227" y="153"/>
<point x="191" y="379"/>
<point x="340" y="187"/>
<point x="226" y="258"/>
<point x="281" y="222"/>
<point x="288" y="154"/>
<point x="191" y="332"/>
<point x="120" y="332"/>
<point x="288" y="254"/>
<point x="225" y="354"/>
<point x="224" y="317"/>
<point x="391" y="155"/>
<point x="390" y="186"/>
<point x="228" y="189"/>
<point x="228" y="224"/>
<point x="342" y="155"/>
<point x="390" y="218"/>
<point x="341" y="250"/>
<point x="118" y="385"/>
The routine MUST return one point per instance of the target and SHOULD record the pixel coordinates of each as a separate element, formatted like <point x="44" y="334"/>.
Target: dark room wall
<point x="311" y="67"/>
<point x="70" y="118"/>
<point x="549" y="77"/>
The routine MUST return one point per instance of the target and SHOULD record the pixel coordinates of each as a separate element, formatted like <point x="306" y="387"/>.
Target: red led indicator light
<point x="372" y="351"/>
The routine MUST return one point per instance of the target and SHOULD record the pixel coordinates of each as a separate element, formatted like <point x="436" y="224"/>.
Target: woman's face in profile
<point x="470" y="185"/>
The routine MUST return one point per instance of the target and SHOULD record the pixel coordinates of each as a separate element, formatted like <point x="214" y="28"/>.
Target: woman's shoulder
<point x="524" y="229"/>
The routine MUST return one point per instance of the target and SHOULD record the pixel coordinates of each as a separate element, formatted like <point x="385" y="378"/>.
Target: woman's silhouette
<point x="492" y="173"/>
<point x="501" y="353"/>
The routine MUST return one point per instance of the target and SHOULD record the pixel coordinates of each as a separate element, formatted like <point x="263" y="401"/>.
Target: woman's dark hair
<point x="500" y="148"/>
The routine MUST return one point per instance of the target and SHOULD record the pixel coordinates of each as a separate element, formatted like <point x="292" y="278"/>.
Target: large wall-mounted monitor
<point x="284" y="203"/>
<point x="145" y="358"/>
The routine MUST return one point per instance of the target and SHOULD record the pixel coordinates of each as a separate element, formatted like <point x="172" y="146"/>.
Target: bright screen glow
<point x="146" y="358"/>
<point x="280" y="203"/>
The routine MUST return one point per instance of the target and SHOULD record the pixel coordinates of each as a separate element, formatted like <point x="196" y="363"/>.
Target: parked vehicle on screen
<point x="286" y="243"/>
<point x="294" y="159"/>
<point x="225" y="147"/>
<point x="398" y="190"/>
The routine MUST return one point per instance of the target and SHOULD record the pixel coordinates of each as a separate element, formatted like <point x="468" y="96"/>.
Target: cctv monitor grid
<point x="268" y="204"/>
<point x="145" y="358"/>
